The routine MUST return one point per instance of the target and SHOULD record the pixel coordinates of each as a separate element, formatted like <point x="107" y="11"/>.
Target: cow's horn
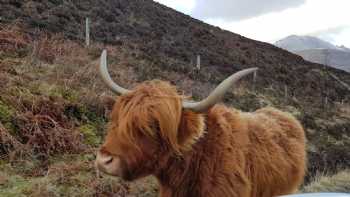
<point x="218" y="93"/>
<point x="107" y="78"/>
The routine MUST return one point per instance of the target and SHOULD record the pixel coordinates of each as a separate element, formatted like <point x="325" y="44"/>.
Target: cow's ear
<point x="107" y="102"/>
<point x="192" y="127"/>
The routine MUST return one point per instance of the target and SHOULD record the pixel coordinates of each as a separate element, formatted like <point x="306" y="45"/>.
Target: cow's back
<point x="276" y="153"/>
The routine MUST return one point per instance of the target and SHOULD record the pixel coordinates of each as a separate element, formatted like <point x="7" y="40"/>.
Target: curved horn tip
<point x="250" y="69"/>
<point x="107" y="78"/>
<point x="217" y="94"/>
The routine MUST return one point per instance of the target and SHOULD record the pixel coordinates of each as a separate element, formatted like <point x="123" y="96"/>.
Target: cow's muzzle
<point x="108" y="164"/>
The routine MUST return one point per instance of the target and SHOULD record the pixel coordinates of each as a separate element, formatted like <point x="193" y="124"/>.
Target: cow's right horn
<point x="107" y="78"/>
<point x="218" y="93"/>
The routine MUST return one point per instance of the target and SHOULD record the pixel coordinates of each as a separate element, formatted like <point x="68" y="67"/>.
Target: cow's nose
<point x="107" y="163"/>
<point x="103" y="160"/>
<point x="106" y="160"/>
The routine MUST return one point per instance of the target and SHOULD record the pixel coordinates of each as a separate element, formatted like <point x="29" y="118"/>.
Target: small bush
<point x="13" y="41"/>
<point x="46" y="129"/>
<point x="89" y="132"/>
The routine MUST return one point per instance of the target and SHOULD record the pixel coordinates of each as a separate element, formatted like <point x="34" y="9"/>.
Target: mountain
<point x="343" y="48"/>
<point x="298" y="43"/>
<point x="316" y="50"/>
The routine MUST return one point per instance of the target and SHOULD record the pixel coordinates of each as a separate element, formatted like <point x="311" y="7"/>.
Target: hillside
<point x="171" y="41"/>
<point x="316" y="50"/>
<point x="50" y="93"/>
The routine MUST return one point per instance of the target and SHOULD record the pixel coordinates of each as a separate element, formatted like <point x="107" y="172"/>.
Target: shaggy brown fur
<point x="223" y="152"/>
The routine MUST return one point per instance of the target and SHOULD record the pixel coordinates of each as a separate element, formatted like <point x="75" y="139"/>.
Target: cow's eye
<point x="156" y="127"/>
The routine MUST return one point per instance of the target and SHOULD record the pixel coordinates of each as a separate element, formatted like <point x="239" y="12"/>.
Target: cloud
<point x="331" y="34"/>
<point x="232" y="10"/>
<point x="337" y="35"/>
<point x="313" y="16"/>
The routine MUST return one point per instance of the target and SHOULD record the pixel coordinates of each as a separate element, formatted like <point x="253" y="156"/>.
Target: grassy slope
<point x="152" y="41"/>
<point x="50" y="106"/>
<point x="52" y="119"/>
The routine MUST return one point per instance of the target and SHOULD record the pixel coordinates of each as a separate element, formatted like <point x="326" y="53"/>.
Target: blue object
<point x="320" y="195"/>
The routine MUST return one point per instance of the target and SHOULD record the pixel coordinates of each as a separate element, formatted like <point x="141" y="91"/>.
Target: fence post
<point x="198" y="62"/>
<point x="285" y="93"/>
<point x="254" y="81"/>
<point x="87" y="32"/>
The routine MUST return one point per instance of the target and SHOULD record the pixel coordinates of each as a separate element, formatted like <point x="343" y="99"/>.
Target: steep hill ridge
<point x="169" y="39"/>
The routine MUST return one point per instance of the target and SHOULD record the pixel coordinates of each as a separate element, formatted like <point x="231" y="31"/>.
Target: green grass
<point x="67" y="175"/>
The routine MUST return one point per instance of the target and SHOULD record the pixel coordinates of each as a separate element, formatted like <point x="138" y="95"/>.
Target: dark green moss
<point x="89" y="132"/>
<point x="7" y="114"/>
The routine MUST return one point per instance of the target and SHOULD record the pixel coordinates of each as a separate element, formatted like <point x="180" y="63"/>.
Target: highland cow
<point x="201" y="148"/>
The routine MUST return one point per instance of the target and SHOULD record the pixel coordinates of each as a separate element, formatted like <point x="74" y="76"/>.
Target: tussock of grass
<point x="7" y="112"/>
<point x="339" y="182"/>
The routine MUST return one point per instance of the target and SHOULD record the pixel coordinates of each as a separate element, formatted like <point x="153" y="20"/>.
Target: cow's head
<point x="152" y="123"/>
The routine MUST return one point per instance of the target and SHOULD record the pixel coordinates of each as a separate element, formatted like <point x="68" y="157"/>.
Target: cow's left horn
<point x="218" y="93"/>
<point x="107" y="78"/>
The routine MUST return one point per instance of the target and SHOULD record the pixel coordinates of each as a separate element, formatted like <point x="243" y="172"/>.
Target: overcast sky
<point x="271" y="20"/>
